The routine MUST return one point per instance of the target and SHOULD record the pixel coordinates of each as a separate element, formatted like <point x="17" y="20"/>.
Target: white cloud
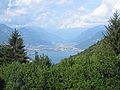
<point x="116" y="6"/>
<point x="101" y="11"/>
<point x="109" y="3"/>
<point x="59" y="13"/>
<point x="5" y="19"/>
<point x="16" y="12"/>
<point x="99" y="15"/>
<point x="76" y="25"/>
<point x="81" y="8"/>
<point x="26" y="2"/>
<point x="60" y="2"/>
<point x="104" y="10"/>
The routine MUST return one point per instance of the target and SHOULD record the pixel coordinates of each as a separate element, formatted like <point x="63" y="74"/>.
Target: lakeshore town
<point x="63" y="48"/>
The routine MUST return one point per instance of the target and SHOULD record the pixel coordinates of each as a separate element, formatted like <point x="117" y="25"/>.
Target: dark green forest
<point x="96" y="68"/>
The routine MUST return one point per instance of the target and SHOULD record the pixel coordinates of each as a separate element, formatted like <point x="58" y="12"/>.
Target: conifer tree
<point x="17" y="46"/>
<point x="45" y="60"/>
<point x="37" y="58"/>
<point x="42" y="60"/>
<point x="113" y="33"/>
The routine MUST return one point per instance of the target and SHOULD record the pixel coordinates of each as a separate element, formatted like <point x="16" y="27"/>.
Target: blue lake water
<point x="55" y="56"/>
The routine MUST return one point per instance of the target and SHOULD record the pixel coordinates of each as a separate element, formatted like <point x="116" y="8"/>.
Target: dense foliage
<point x="96" y="68"/>
<point x="14" y="51"/>
<point x="17" y="46"/>
<point x="42" y="60"/>
<point x="113" y="33"/>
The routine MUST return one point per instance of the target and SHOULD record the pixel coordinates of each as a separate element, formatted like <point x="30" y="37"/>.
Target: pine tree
<point x="42" y="60"/>
<point x="113" y="33"/>
<point x="37" y="58"/>
<point x="17" y="45"/>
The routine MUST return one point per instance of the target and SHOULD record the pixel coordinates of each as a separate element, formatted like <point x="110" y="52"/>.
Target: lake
<point x="55" y="56"/>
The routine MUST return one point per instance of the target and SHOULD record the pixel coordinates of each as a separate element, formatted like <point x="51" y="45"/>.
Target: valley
<point x="67" y="41"/>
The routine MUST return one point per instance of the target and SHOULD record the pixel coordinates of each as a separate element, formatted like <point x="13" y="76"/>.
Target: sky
<point x="59" y="14"/>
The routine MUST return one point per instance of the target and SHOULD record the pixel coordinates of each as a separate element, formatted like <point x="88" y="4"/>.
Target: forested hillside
<point x="96" y="68"/>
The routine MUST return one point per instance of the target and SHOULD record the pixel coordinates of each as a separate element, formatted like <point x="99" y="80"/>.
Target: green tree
<point x="27" y="76"/>
<point x="113" y="33"/>
<point x="5" y="54"/>
<point x="42" y="60"/>
<point x="37" y="58"/>
<point x="2" y="84"/>
<point x="17" y="45"/>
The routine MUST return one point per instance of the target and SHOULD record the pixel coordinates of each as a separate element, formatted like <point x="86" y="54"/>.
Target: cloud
<point x="101" y="11"/>
<point x="105" y="8"/>
<point x="5" y="19"/>
<point x="57" y="13"/>
<point x="76" y="25"/>
<point x="60" y="2"/>
<point x="81" y="8"/>
<point x="27" y="2"/>
<point x="99" y="15"/>
<point x="116" y="6"/>
<point x="16" y="12"/>
<point x="22" y="2"/>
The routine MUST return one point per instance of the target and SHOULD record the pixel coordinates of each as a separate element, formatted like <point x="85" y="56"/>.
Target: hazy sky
<point x="57" y="13"/>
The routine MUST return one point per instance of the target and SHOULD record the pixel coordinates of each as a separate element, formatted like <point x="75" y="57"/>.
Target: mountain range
<point x="82" y="38"/>
<point x="90" y="37"/>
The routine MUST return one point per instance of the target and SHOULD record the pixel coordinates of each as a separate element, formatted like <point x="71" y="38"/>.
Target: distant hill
<point x="81" y="37"/>
<point x="90" y="37"/>
<point x="39" y="36"/>
<point x="31" y="36"/>
<point x="5" y="32"/>
<point x="67" y="35"/>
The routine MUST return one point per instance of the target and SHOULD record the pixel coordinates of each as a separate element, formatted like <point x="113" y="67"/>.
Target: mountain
<point x="83" y="38"/>
<point x="90" y="37"/>
<point x="5" y="32"/>
<point x="67" y="35"/>
<point x="37" y="36"/>
<point x="31" y="35"/>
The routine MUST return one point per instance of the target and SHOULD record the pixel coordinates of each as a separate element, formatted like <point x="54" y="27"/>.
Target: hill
<point x="90" y="37"/>
<point x="5" y="32"/>
<point x="31" y="35"/>
<point x="38" y="36"/>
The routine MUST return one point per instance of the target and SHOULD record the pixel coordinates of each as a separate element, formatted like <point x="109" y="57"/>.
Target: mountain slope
<point x="5" y="32"/>
<point x="67" y="35"/>
<point x="90" y="37"/>
<point x="30" y="36"/>
<point x="39" y="36"/>
<point x="33" y="37"/>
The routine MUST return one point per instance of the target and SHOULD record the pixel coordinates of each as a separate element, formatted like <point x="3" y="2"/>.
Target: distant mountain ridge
<point x="30" y="36"/>
<point x="90" y="37"/>
<point x="36" y="36"/>
<point x="5" y="32"/>
<point x="33" y="37"/>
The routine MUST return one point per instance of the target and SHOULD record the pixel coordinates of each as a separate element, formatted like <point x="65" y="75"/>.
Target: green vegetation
<point x="113" y="33"/>
<point x="42" y="60"/>
<point x="96" y="68"/>
<point x="14" y="51"/>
